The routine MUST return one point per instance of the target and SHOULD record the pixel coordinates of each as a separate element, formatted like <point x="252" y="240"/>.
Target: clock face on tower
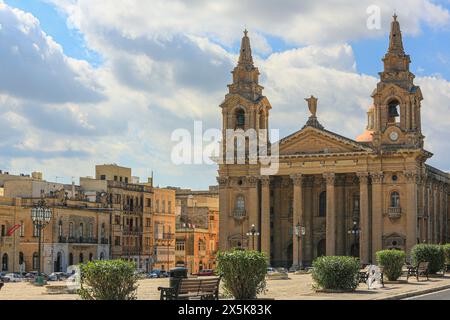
<point x="393" y="136"/>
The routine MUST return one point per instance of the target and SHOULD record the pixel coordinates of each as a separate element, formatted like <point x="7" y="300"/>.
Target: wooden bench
<point x="420" y="270"/>
<point x="202" y="288"/>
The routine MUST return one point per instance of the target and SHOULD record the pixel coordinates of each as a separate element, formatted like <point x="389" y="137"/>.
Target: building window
<point x="148" y="222"/>
<point x="71" y="230"/>
<point x="21" y="258"/>
<point x="22" y="229"/>
<point x="395" y="200"/>
<point x="164" y="206"/>
<point x="102" y="256"/>
<point x="126" y="179"/>
<point x="35" y="261"/>
<point x="102" y="231"/>
<point x="102" y="177"/>
<point x="115" y="178"/>
<point x="91" y="256"/>
<point x="116" y="219"/>
<point x="5" y="262"/>
<point x="169" y="206"/>
<point x="240" y="119"/>
<point x="91" y="230"/>
<point x="3" y="230"/>
<point x="70" y="259"/>
<point x="81" y="258"/>
<point x="80" y="230"/>
<point x="323" y="204"/>
<point x="356" y="203"/>
<point x="393" y="111"/>
<point x="149" y="203"/>
<point x="179" y="246"/>
<point x="60" y="229"/>
<point x="117" y="241"/>
<point x="157" y="205"/>
<point x="35" y="230"/>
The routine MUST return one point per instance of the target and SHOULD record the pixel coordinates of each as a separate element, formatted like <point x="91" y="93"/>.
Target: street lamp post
<point x="299" y="232"/>
<point x="253" y="233"/>
<point x="355" y="231"/>
<point x="41" y="216"/>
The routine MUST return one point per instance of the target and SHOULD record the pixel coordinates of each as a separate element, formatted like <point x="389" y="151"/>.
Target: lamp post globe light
<point x="253" y="233"/>
<point x="41" y="216"/>
<point x="300" y="231"/>
<point x="355" y="231"/>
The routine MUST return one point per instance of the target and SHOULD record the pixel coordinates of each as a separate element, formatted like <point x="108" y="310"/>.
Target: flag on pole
<point x="12" y="229"/>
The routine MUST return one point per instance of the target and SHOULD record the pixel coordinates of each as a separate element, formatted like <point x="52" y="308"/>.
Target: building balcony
<point x="132" y="231"/>
<point x="104" y="241"/>
<point x="239" y="214"/>
<point x="394" y="212"/>
<point x="88" y="240"/>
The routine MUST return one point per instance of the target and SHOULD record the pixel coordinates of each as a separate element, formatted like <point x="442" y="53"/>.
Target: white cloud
<point x="167" y="64"/>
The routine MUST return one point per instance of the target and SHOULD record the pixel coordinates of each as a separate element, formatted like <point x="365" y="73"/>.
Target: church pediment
<point x="311" y="140"/>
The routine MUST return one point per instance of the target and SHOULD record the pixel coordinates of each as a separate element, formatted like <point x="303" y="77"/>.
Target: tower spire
<point x="245" y="74"/>
<point x="245" y="56"/>
<point x="395" y="38"/>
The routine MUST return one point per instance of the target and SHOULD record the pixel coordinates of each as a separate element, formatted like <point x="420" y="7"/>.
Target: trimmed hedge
<point x="392" y="262"/>
<point x="432" y="253"/>
<point x="447" y="253"/>
<point x="108" y="280"/>
<point x="336" y="273"/>
<point x="243" y="273"/>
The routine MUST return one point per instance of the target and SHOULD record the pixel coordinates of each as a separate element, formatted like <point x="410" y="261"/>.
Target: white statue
<point x="374" y="278"/>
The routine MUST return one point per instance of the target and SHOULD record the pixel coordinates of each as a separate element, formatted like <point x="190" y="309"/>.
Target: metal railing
<point x="394" y="212"/>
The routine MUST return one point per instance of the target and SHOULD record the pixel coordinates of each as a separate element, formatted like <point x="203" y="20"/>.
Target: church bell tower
<point x="395" y="118"/>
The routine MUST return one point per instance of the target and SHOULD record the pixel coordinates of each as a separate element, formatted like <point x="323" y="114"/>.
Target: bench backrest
<point x="206" y="285"/>
<point x="423" y="266"/>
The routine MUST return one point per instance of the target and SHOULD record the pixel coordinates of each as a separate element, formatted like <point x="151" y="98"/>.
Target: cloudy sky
<point x="86" y="82"/>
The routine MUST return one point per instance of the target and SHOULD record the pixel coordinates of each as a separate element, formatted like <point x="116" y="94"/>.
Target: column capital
<point x="363" y="177"/>
<point x="330" y="177"/>
<point x="411" y="175"/>
<point x="297" y="179"/>
<point x="223" y="181"/>
<point x="265" y="181"/>
<point x="251" y="181"/>
<point x="377" y="177"/>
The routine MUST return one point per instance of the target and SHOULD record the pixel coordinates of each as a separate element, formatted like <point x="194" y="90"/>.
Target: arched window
<point x="239" y="209"/>
<point x="240" y="119"/>
<point x="21" y="258"/>
<point x="80" y="231"/>
<point x="5" y="262"/>
<point x="90" y="256"/>
<point x="70" y="259"/>
<point x="60" y="229"/>
<point x="395" y="200"/>
<point x="91" y="230"/>
<point x="35" y="261"/>
<point x="80" y="260"/>
<point x="323" y="204"/>
<point x="102" y="231"/>
<point x="102" y="256"/>
<point x="321" y="248"/>
<point x="71" y="230"/>
<point x="393" y="109"/>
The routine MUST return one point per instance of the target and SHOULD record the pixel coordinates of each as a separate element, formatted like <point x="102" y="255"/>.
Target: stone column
<point x="435" y="213"/>
<point x="341" y="232"/>
<point x="377" y="213"/>
<point x="265" y="216"/>
<point x="309" y="216"/>
<point x="331" y="215"/>
<point x="297" y="253"/>
<point x="224" y="213"/>
<point x="253" y="210"/>
<point x="364" y="223"/>
<point x="429" y="212"/>
<point x="442" y="216"/>
<point x="411" y="209"/>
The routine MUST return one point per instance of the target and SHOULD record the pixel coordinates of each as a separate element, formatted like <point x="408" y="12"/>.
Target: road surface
<point x="439" y="295"/>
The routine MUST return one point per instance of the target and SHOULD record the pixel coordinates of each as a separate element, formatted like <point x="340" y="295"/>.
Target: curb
<point x="416" y="293"/>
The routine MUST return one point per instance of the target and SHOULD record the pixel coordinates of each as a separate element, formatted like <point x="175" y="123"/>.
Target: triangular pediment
<point x="312" y="140"/>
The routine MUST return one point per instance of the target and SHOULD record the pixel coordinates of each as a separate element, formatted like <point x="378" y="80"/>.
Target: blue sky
<point x="131" y="72"/>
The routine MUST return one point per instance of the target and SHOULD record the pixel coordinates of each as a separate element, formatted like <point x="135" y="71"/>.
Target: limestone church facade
<point x="333" y="195"/>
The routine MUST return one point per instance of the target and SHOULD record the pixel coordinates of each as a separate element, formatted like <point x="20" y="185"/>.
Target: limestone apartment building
<point x="328" y="185"/>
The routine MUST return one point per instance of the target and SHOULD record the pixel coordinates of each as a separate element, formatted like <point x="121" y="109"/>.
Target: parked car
<point x="12" y="277"/>
<point x="157" y="273"/>
<point x="2" y="274"/>
<point x="57" y="276"/>
<point x="30" y="276"/>
<point x="271" y="270"/>
<point x="206" y="273"/>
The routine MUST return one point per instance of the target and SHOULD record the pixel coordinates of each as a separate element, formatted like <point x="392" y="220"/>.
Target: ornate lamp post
<point x="253" y="233"/>
<point x="355" y="231"/>
<point x="41" y="216"/>
<point x="299" y="232"/>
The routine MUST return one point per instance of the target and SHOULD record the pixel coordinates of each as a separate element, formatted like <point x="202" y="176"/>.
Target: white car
<point x="12" y="277"/>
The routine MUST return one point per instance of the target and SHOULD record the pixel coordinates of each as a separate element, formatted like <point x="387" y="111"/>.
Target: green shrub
<point x="392" y="262"/>
<point x="447" y="253"/>
<point x="336" y="272"/>
<point x="432" y="253"/>
<point x="243" y="273"/>
<point x="108" y="280"/>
